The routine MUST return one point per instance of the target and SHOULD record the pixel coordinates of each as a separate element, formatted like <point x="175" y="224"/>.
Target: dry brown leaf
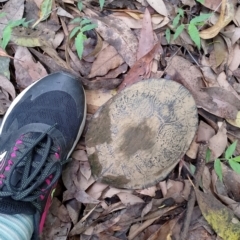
<point x="128" y="198"/>
<point x="193" y="149"/>
<point x="119" y="35"/>
<point x="218" y="143"/>
<point x="226" y="16"/>
<point x="83" y="197"/>
<point x="233" y="65"/>
<point x="145" y="44"/>
<point x="220" y="50"/>
<point x="111" y="59"/>
<point x="140" y="70"/>
<point x="190" y="76"/>
<point x="27" y="70"/>
<point x="14" y="11"/>
<point x="205" y="132"/>
<point x="8" y="86"/>
<point x="114" y="191"/>
<point x="96" y="190"/>
<point x="159" y="6"/>
<point x="151" y="191"/>
<point x="80" y="155"/>
<point x="85" y="169"/>
<point x="74" y="207"/>
<point x="96" y="98"/>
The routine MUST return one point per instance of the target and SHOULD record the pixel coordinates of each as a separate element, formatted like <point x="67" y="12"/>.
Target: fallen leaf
<point x="96" y="190"/>
<point x="117" y="34"/>
<point x="27" y="70"/>
<point x="83" y="197"/>
<point x="128" y="198"/>
<point x="205" y="132"/>
<point x="159" y="6"/>
<point x="111" y="59"/>
<point x="8" y="86"/>
<point x="145" y="44"/>
<point x="226" y="16"/>
<point x="221" y="218"/>
<point x="233" y="65"/>
<point x="74" y="207"/>
<point x="218" y="143"/>
<point x="140" y="69"/>
<point x="59" y="210"/>
<point x="13" y="10"/>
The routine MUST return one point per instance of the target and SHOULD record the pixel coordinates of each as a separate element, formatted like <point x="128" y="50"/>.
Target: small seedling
<point x="232" y="161"/>
<point x="7" y="31"/>
<point x="192" y="29"/>
<point x="79" y="33"/>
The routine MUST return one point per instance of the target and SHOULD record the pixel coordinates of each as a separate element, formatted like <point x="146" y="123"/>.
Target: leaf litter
<point x="133" y="41"/>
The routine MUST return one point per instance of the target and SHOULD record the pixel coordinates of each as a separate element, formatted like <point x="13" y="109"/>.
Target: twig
<point x="192" y="197"/>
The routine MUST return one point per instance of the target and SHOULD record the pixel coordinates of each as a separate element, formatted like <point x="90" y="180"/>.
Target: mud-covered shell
<point x="136" y="138"/>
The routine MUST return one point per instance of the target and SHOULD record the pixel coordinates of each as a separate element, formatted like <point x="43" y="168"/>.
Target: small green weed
<point x="7" y="31"/>
<point x="232" y="161"/>
<point x="192" y="29"/>
<point x="79" y="33"/>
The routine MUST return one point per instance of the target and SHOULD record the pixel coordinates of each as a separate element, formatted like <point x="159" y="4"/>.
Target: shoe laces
<point x="35" y="174"/>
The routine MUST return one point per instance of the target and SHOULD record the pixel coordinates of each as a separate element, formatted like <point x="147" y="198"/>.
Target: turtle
<point x="137" y="137"/>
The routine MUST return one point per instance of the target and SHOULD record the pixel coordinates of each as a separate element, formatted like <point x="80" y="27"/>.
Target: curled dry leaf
<point x="95" y="191"/>
<point x="226" y="16"/>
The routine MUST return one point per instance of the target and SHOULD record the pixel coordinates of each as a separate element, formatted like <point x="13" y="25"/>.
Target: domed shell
<point x="137" y="138"/>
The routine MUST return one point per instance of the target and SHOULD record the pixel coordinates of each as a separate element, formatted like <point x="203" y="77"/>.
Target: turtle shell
<point x="136" y="138"/>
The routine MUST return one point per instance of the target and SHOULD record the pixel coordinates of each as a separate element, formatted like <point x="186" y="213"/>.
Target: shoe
<point x="37" y="136"/>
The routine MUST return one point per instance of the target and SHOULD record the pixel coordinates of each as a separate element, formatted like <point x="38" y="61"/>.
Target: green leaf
<point x="45" y="9"/>
<point x="234" y="165"/>
<point x="200" y="1"/>
<point x="6" y="36"/>
<point x="236" y="159"/>
<point x="79" y="40"/>
<point x="178" y="31"/>
<point x="168" y="35"/>
<point x="3" y="14"/>
<point x="180" y="12"/>
<point x="25" y="24"/>
<point x="74" y="32"/>
<point x="208" y="155"/>
<point x="80" y="5"/>
<point x="194" y="34"/>
<point x="101" y="2"/>
<point x="192" y="169"/>
<point x="88" y="27"/>
<point x="176" y="21"/>
<point x="230" y="150"/>
<point x="85" y="21"/>
<point x="76" y="20"/>
<point x="200" y="18"/>
<point x="218" y="169"/>
<point x="16" y="23"/>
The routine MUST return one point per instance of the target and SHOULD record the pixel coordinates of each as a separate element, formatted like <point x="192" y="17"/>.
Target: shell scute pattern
<point x="141" y="134"/>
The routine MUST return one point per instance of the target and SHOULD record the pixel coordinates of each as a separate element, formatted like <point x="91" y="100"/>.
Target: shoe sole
<point x="18" y="98"/>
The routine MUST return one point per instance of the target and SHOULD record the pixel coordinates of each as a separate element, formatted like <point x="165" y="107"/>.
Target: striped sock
<point x="16" y="227"/>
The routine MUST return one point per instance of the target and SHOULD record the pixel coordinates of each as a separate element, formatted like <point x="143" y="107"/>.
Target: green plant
<point x="79" y="31"/>
<point x="80" y="5"/>
<point x="7" y="31"/>
<point x="232" y="161"/>
<point x="191" y="27"/>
